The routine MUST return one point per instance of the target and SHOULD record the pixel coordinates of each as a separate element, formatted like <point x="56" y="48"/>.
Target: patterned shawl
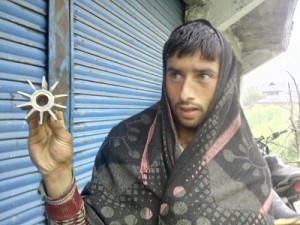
<point x="220" y="178"/>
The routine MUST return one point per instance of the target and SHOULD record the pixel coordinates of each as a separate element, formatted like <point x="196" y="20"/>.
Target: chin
<point x="190" y="124"/>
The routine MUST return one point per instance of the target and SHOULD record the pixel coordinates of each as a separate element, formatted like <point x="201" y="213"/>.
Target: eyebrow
<point x="171" y="69"/>
<point x="204" y="70"/>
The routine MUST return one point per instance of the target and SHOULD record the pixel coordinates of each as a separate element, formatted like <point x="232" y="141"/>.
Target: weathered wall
<point x="258" y="29"/>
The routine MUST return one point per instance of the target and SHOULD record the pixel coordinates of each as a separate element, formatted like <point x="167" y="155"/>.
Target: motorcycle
<point x="285" y="180"/>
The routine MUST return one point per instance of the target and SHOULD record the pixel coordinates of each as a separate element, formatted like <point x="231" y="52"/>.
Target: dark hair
<point x="191" y="37"/>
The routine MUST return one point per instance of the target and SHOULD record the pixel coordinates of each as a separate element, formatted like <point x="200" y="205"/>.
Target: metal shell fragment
<point x="43" y="101"/>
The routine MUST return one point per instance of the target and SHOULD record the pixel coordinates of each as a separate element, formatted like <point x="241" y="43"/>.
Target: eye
<point x="204" y="77"/>
<point x="175" y="76"/>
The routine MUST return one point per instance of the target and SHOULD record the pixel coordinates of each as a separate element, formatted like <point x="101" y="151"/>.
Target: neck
<point x="185" y="135"/>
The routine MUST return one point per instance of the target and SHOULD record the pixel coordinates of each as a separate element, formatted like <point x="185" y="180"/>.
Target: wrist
<point x="58" y="182"/>
<point x="68" y="207"/>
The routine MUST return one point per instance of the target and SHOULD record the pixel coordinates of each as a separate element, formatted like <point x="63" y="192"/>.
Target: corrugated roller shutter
<point x="23" y="55"/>
<point x="117" y="67"/>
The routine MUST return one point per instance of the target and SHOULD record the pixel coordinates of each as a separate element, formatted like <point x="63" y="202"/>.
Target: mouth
<point x="187" y="111"/>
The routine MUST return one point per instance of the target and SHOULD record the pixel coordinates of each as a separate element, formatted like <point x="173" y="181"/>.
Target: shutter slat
<point x="23" y="56"/>
<point x="117" y="67"/>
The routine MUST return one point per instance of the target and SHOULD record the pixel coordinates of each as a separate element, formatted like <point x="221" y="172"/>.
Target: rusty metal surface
<point x="59" y="62"/>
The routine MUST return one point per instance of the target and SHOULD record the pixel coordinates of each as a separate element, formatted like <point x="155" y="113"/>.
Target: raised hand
<point x="50" y="149"/>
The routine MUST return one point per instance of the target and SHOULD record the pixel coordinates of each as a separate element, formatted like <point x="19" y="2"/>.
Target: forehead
<point x="192" y="61"/>
<point x="181" y="53"/>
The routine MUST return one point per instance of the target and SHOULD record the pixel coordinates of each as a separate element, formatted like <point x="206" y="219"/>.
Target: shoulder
<point x="126" y="141"/>
<point x="135" y="123"/>
<point x="130" y="134"/>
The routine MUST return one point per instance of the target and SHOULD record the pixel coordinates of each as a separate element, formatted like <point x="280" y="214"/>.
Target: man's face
<point x="191" y="83"/>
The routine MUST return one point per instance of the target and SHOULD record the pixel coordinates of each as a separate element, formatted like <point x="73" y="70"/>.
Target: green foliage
<point x="265" y="120"/>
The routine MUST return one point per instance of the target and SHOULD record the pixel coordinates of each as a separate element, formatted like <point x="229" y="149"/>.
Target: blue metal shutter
<point x="23" y="55"/>
<point x="117" y="67"/>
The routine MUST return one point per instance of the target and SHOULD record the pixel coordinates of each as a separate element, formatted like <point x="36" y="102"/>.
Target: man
<point x="189" y="159"/>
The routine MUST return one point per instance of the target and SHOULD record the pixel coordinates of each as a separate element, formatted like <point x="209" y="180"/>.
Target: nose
<point x="187" y="90"/>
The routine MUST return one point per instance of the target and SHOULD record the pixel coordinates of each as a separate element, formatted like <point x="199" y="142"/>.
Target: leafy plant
<point x="265" y="120"/>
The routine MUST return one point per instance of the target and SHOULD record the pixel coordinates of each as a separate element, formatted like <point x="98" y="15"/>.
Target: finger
<point x="58" y="127"/>
<point x="33" y="124"/>
<point x="60" y="118"/>
<point x="58" y="122"/>
<point x="33" y="118"/>
<point x="34" y="127"/>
